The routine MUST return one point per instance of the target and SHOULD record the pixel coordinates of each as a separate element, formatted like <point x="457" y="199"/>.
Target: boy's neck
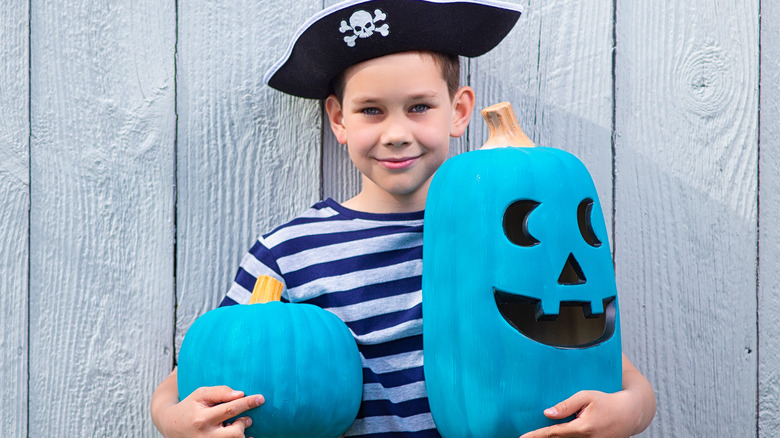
<point x="382" y="202"/>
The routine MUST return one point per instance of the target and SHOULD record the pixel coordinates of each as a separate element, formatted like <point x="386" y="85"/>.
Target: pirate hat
<point x="357" y="30"/>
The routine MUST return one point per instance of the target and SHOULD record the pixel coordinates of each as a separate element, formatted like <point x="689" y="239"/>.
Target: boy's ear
<point x="336" y="118"/>
<point x="462" y="106"/>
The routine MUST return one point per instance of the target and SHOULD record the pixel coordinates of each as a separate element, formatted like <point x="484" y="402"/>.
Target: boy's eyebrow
<point x="424" y="95"/>
<point x="365" y="100"/>
<point x="416" y="96"/>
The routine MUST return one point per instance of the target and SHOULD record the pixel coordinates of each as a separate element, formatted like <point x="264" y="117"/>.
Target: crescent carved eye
<point x="516" y="222"/>
<point x="584" y="217"/>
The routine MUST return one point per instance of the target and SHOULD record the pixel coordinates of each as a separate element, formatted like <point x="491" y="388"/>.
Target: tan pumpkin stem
<point x="503" y="127"/>
<point x="266" y="289"/>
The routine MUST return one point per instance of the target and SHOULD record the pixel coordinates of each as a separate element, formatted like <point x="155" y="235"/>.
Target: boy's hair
<point x="448" y="64"/>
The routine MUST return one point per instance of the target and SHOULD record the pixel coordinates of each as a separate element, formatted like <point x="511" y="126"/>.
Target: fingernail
<point x="550" y="411"/>
<point x="260" y="400"/>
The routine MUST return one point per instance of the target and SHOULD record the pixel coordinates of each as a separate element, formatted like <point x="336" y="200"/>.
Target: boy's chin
<point x="391" y="199"/>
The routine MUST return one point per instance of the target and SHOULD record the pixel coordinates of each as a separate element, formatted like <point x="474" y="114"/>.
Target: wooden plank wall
<point x="686" y="198"/>
<point x="102" y="169"/>
<point x="248" y="158"/>
<point x="769" y="224"/>
<point x="14" y="216"/>
<point x="140" y="155"/>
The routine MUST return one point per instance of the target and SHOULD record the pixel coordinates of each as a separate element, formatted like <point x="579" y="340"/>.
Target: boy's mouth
<point x="573" y="327"/>
<point x="397" y="163"/>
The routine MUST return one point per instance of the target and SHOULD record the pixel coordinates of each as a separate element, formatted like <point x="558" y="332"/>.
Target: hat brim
<point x="321" y="48"/>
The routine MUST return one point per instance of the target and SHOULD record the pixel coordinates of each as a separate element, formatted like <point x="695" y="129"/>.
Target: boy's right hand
<point x="204" y="413"/>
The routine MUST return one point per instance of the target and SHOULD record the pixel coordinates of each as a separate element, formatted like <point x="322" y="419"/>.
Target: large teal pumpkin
<point x="519" y="295"/>
<point x="302" y="358"/>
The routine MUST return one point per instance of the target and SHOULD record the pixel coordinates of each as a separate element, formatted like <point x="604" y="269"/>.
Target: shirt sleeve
<point x="257" y="262"/>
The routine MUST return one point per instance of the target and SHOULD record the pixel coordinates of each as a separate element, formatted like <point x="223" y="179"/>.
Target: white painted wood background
<point x="140" y="155"/>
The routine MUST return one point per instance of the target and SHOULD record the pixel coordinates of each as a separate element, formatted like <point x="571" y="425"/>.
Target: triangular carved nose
<point x="571" y="273"/>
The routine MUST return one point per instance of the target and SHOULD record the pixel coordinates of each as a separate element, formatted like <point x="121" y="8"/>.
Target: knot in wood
<point x="704" y="81"/>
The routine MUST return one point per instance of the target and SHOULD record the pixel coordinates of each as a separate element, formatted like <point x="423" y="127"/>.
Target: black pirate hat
<point x="357" y="30"/>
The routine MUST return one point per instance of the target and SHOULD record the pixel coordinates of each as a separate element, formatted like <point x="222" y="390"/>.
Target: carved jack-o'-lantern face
<point x="572" y="309"/>
<point x="519" y="297"/>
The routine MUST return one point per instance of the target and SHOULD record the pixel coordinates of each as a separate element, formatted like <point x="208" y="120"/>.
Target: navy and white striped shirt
<point x="367" y="269"/>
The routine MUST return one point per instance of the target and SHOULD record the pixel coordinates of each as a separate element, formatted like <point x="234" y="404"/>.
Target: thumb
<point x="568" y="407"/>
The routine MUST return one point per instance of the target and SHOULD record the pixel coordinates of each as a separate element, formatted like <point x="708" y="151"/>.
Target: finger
<point x="555" y="431"/>
<point x="214" y="395"/>
<point x="234" y="408"/>
<point x="236" y="428"/>
<point x="568" y="407"/>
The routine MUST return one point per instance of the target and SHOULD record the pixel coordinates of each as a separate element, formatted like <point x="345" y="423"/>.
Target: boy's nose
<point x="396" y="133"/>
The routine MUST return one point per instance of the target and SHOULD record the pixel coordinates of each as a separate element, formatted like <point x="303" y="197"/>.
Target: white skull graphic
<point x="363" y="25"/>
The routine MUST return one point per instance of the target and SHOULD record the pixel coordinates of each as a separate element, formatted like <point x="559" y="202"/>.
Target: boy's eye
<point x="371" y="111"/>
<point x="419" y="108"/>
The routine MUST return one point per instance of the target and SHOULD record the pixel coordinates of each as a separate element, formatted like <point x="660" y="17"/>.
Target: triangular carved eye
<point x="516" y="222"/>
<point x="584" y="217"/>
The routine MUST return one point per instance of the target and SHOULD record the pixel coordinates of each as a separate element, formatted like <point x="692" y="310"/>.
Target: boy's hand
<point x="598" y="414"/>
<point x="203" y="413"/>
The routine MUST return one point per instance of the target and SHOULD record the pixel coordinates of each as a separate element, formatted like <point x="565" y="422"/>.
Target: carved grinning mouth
<point x="574" y="327"/>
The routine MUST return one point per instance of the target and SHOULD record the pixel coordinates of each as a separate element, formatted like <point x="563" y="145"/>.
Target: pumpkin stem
<point x="266" y="289"/>
<point x="503" y="127"/>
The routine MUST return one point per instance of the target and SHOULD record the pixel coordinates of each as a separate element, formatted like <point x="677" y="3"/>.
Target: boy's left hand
<point x="598" y="414"/>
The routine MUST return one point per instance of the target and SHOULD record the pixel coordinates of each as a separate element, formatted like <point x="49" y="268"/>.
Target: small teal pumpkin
<point x="515" y="247"/>
<point x="301" y="358"/>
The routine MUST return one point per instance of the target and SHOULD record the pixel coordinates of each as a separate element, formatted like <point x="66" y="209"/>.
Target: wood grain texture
<point x="555" y="68"/>
<point x="686" y="197"/>
<point x="340" y="178"/>
<point x="14" y="216"/>
<point x="769" y="225"/>
<point x="248" y="156"/>
<point x="101" y="234"/>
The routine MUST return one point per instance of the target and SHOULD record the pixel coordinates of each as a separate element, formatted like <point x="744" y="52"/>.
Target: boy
<point x="388" y="71"/>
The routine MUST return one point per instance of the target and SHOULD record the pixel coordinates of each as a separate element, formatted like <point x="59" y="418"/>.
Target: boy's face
<point x="396" y="119"/>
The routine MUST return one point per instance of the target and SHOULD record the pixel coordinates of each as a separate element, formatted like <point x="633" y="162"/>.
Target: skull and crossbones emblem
<point x="363" y="25"/>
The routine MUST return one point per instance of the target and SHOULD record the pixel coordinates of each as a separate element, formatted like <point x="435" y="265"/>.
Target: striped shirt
<point x="367" y="269"/>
